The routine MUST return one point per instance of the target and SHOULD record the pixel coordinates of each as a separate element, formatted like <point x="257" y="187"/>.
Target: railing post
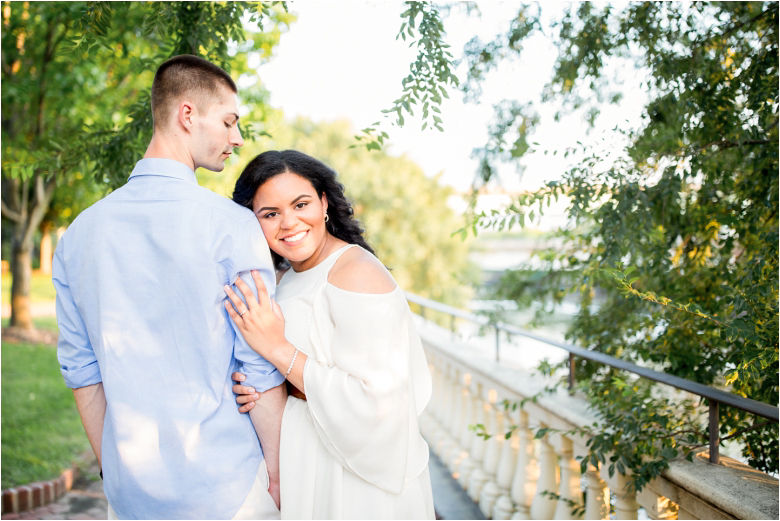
<point x="498" y="342"/>
<point x="572" y="380"/>
<point x="714" y="432"/>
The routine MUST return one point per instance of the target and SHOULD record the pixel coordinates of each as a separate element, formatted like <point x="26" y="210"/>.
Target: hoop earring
<point x="327" y="217"/>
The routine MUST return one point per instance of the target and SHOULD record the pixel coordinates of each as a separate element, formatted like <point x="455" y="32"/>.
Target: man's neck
<point x="163" y="147"/>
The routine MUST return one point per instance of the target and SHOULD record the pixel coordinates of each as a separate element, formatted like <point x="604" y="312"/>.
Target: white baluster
<point x="490" y="491"/>
<point x="471" y="441"/>
<point x="655" y="505"/>
<point x="462" y="439"/>
<point x="445" y="441"/>
<point x="543" y="506"/>
<point x="480" y="475"/>
<point x="452" y="450"/>
<point x="526" y="471"/>
<point x="570" y="494"/>
<point x="503" y="507"/>
<point x="625" y="500"/>
<point x="597" y="503"/>
<point x="427" y="420"/>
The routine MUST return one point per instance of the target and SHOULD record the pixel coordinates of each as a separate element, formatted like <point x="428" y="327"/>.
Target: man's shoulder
<point x="222" y="205"/>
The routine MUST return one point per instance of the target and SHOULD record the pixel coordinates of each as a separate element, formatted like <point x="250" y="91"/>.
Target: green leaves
<point x="429" y="75"/>
<point x="671" y="245"/>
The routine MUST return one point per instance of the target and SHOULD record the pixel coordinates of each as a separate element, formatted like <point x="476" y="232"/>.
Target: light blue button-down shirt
<point x="139" y="279"/>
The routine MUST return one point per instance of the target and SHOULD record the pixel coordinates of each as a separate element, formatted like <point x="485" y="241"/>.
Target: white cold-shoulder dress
<point x="353" y="449"/>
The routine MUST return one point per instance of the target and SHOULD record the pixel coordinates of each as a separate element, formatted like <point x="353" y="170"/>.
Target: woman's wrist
<point x="280" y="356"/>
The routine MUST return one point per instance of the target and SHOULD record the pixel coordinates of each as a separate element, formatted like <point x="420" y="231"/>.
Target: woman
<point x="341" y="332"/>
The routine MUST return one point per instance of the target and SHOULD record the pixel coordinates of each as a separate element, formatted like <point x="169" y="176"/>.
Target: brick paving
<point x="84" y="501"/>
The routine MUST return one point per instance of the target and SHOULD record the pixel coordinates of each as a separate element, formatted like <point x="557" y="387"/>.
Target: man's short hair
<point x="186" y="75"/>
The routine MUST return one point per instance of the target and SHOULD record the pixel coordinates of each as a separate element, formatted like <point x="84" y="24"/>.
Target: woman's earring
<point x="327" y="217"/>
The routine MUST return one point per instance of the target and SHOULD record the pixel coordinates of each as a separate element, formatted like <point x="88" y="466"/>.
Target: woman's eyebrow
<point x="299" y="198"/>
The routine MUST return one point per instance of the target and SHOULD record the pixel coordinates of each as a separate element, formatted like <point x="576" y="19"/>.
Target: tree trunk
<point x="46" y="248"/>
<point x="21" y="275"/>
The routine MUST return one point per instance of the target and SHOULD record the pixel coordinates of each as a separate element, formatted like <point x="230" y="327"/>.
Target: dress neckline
<point x="327" y="261"/>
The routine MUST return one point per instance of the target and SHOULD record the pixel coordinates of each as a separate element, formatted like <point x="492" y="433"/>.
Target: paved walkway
<point x="85" y="500"/>
<point x="449" y="499"/>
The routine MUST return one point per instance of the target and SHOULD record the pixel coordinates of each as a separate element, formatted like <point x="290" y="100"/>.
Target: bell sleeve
<point x="365" y="400"/>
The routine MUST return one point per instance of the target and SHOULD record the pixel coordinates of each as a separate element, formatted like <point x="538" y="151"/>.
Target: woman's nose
<point x="289" y="220"/>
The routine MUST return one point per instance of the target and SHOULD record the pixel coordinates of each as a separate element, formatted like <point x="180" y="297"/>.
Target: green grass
<point x="46" y="323"/>
<point x="41" y="288"/>
<point x="41" y="431"/>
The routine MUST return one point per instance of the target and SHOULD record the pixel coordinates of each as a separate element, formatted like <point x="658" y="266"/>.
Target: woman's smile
<point x="293" y="240"/>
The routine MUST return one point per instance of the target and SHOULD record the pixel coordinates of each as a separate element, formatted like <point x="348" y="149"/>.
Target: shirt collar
<point x="164" y="168"/>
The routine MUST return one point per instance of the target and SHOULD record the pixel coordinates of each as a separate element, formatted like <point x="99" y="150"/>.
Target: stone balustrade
<point x="512" y="475"/>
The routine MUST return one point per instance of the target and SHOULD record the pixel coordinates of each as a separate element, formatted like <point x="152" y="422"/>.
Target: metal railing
<point x="714" y="396"/>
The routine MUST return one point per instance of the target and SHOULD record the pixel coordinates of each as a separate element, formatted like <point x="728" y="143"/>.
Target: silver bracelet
<point x="292" y="363"/>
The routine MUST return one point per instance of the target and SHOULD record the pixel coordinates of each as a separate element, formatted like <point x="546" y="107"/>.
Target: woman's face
<point x="292" y="217"/>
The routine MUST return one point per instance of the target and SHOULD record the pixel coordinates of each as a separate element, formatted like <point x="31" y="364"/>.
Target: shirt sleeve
<point x="252" y="253"/>
<point x="78" y="363"/>
<point x="365" y="401"/>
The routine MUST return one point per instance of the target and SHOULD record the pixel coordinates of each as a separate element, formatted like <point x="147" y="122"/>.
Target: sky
<point x="341" y="60"/>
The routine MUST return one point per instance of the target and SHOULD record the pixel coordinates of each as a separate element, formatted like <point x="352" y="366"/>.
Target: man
<point x="145" y="341"/>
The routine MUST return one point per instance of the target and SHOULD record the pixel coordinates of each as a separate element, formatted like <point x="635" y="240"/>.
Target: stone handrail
<point x="521" y="477"/>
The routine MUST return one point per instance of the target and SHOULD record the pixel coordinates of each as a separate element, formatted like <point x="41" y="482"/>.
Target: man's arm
<point x="91" y="402"/>
<point x="266" y="417"/>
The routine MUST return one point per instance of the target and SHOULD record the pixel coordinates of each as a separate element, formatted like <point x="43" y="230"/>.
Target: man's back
<point x="140" y="279"/>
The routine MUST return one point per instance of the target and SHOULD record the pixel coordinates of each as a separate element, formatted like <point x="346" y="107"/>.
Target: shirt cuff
<point x="259" y="377"/>
<point x="82" y="376"/>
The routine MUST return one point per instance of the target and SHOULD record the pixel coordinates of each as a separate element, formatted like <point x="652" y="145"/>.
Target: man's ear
<point x="186" y="114"/>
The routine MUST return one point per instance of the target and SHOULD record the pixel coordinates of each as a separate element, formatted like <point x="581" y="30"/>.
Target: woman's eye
<point x="300" y="205"/>
<point x="269" y="215"/>
<point x="228" y="125"/>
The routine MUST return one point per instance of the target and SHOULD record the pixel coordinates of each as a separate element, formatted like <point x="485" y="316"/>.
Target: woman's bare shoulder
<point x="360" y="272"/>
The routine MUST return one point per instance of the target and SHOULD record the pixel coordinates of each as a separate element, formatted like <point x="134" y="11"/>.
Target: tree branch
<point x="747" y="22"/>
<point x="746" y="429"/>
<point x="10" y="214"/>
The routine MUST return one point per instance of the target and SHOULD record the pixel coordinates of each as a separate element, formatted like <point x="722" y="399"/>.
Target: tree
<point x="680" y="230"/>
<point x="405" y="214"/>
<point x="75" y="96"/>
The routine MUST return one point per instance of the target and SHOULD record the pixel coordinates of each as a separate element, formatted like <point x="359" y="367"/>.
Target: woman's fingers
<point x="243" y="389"/>
<point x="262" y="292"/>
<point x="242" y="399"/>
<point x="246" y="292"/>
<point x="238" y="377"/>
<point x="232" y="312"/>
<point x="247" y="407"/>
<point x="238" y="304"/>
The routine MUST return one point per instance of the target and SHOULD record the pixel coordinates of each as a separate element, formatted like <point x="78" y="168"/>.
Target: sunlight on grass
<point x="42" y="433"/>
<point x="41" y="288"/>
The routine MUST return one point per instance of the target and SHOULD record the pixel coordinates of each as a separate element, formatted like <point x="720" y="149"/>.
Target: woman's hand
<point x="245" y="396"/>
<point x="260" y="321"/>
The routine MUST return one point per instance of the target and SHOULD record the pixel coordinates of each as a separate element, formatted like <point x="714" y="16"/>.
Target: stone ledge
<point x="732" y="487"/>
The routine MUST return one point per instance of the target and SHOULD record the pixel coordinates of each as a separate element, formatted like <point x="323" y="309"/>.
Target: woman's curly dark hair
<point x="341" y="223"/>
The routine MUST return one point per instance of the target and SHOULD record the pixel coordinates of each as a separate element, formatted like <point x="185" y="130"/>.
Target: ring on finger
<point x="242" y="313"/>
